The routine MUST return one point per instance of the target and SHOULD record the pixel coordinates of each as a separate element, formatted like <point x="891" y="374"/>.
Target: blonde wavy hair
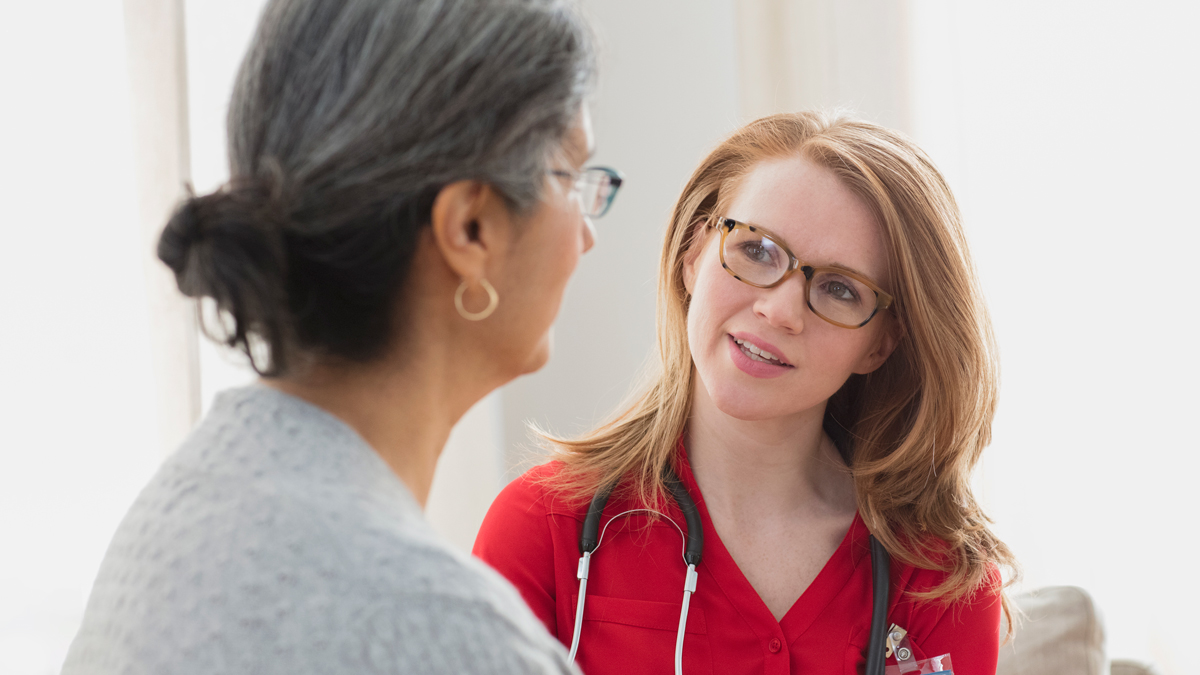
<point x="917" y="424"/>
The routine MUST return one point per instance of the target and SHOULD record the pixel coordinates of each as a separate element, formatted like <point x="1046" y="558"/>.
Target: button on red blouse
<point x="635" y="589"/>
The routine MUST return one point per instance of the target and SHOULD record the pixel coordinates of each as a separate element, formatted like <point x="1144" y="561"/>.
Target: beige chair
<point x="1061" y="634"/>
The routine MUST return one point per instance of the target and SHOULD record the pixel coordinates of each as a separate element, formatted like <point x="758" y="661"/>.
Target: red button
<point x="774" y="645"/>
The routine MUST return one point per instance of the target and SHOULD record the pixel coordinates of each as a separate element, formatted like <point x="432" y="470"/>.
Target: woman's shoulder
<point x="940" y="618"/>
<point x="541" y="489"/>
<point x="535" y="510"/>
<point x="915" y="581"/>
<point x="941" y="562"/>
<point x="547" y="470"/>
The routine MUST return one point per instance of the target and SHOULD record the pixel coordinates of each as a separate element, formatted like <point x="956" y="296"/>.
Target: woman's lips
<point x="754" y="366"/>
<point x="760" y="345"/>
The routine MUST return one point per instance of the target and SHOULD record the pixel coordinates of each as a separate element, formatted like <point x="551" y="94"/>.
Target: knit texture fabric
<point x="275" y="540"/>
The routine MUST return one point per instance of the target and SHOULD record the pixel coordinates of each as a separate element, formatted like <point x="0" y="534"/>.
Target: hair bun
<point x="207" y="233"/>
<point x="229" y="246"/>
<point x="183" y="231"/>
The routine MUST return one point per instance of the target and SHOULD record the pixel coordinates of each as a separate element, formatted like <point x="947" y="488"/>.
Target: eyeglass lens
<point x="596" y="190"/>
<point x="759" y="260"/>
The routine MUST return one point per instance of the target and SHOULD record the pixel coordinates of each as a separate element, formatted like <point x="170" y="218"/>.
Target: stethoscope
<point x="693" y="548"/>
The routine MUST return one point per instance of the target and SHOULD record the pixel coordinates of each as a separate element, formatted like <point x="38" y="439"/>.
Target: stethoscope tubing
<point x="880" y="589"/>
<point x="591" y="536"/>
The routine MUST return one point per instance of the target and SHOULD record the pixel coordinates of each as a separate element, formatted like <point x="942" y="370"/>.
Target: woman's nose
<point x="589" y="234"/>
<point x="785" y="306"/>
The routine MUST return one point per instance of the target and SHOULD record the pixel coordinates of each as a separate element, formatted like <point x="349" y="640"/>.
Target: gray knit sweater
<point x="277" y="541"/>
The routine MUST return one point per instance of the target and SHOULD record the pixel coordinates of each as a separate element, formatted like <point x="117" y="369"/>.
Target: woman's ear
<point x="470" y="226"/>
<point x="691" y="257"/>
<point x="885" y="343"/>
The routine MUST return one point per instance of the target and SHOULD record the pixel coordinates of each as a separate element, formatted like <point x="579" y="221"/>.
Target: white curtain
<point x="154" y="37"/>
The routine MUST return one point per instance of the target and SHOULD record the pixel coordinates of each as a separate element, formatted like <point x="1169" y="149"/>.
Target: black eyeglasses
<point x="597" y="187"/>
<point x="757" y="257"/>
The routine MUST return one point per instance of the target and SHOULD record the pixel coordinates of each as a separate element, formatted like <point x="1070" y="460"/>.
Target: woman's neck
<point x="404" y="405"/>
<point x="748" y="468"/>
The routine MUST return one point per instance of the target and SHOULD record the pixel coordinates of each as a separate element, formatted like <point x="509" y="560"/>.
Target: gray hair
<point x="346" y="119"/>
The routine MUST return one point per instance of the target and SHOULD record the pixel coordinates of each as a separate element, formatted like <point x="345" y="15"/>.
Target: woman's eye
<point x="840" y="290"/>
<point x="759" y="252"/>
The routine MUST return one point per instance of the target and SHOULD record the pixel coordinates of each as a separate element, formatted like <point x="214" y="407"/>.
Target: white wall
<point x="668" y="93"/>
<point x="78" y="387"/>
<point x="799" y="54"/>
<point x="1070" y="129"/>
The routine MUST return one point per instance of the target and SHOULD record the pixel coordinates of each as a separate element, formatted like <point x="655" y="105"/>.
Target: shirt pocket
<point x="620" y="635"/>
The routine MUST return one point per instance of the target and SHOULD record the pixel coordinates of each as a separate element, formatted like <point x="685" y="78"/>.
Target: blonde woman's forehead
<point x="818" y="217"/>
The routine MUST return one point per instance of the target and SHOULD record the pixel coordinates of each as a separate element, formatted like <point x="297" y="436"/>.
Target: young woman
<point x="408" y="200"/>
<point x="828" y="374"/>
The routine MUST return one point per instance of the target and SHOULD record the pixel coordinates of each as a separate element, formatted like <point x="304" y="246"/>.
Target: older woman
<point x="407" y="202"/>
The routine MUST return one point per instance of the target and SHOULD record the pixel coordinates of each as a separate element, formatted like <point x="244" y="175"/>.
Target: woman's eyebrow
<point x="585" y="153"/>
<point x="844" y="267"/>
<point x="780" y="240"/>
<point x="834" y="263"/>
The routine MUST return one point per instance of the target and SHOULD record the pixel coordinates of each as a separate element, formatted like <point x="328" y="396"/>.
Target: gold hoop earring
<point x="493" y="300"/>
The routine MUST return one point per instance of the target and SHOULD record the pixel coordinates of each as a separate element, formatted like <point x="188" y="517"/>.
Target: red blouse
<point x="635" y="589"/>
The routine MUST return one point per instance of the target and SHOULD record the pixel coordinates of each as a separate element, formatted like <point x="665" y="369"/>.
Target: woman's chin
<point x="739" y="404"/>
<point x="746" y="411"/>
<point x="540" y="355"/>
<point x="745" y="404"/>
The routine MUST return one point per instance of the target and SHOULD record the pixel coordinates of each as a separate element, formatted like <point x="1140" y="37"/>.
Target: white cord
<point x="689" y="587"/>
<point x="582" y="574"/>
